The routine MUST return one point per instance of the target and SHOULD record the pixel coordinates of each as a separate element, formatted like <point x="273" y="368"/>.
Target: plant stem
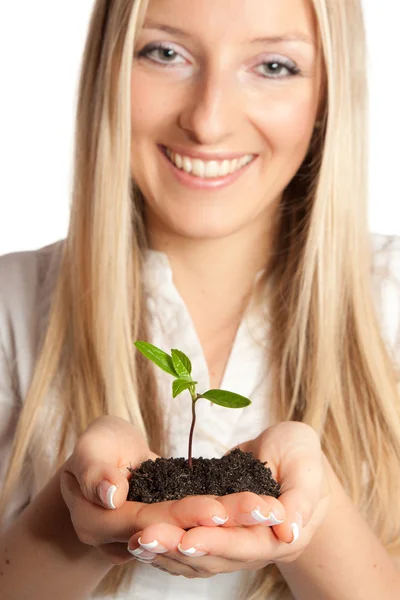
<point x="195" y="397"/>
<point x="191" y="431"/>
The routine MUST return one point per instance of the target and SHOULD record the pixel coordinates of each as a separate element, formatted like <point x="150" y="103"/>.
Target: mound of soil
<point x="172" y="478"/>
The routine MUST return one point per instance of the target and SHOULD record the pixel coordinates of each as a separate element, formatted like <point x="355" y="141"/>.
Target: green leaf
<point x="227" y="399"/>
<point x="180" y="385"/>
<point x="182" y="364"/>
<point x="157" y="356"/>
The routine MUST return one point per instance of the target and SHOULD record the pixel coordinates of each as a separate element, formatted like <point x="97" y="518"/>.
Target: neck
<point x="215" y="277"/>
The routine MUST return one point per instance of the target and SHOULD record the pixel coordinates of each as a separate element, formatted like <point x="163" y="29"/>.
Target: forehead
<point x="235" y="20"/>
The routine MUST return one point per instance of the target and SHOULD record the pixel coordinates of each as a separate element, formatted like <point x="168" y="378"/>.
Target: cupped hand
<point x="296" y="460"/>
<point x="100" y="459"/>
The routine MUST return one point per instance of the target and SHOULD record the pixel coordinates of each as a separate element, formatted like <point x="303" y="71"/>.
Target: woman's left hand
<point x="246" y="540"/>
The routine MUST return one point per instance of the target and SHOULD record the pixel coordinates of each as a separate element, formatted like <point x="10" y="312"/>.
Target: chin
<point x="204" y="227"/>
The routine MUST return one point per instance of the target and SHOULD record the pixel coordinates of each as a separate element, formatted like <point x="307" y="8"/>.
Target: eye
<point x="163" y="54"/>
<point x="278" y="69"/>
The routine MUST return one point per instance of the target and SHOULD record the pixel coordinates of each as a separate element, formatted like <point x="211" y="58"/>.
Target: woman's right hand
<point x="101" y="458"/>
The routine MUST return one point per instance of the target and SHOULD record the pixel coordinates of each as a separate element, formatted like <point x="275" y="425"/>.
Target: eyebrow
<point x="287" y="37"/>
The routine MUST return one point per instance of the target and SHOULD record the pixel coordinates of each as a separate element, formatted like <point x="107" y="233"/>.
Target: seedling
<point x="171" y="478"/>
<point x="179" y="366"/>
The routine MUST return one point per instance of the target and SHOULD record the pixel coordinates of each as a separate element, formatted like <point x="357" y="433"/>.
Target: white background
<point x="41" y="44"/>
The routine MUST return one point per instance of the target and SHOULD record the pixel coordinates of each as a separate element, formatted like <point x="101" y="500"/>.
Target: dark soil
<point x="173" y="479"/>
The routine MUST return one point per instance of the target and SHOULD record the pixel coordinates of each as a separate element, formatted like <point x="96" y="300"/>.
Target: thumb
<point x="101" y="459"/>
<point x="301" y="493"/>
<point x="296" y="517"/>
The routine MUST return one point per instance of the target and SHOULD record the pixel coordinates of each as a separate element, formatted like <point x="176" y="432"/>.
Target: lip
<point x="206" y="156"/>
<point x="198" y="183"/>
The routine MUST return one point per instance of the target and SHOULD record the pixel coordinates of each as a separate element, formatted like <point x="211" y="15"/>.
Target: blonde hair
<point x="330" y="366"/>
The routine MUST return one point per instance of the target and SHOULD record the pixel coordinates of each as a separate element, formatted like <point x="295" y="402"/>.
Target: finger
<point x="165" y="540"/>
<point x="158" y="545"/>
<point x="160" y="538"/>
<point x="96" y="526"/>
<point x="246" y="508"/>
<point x="191" y="511"/>
<point x="301" y="492"/>
<point x="92" y="523"/>
<point x="160" y="553"/>
<point x="243" y="544"/>
<point x="164" y="568"/>
<point x="176" y="569"/>
<point x="101" y="459"/>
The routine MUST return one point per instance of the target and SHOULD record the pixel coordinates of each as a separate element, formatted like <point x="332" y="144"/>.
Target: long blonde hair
<point x="330" y="366"/>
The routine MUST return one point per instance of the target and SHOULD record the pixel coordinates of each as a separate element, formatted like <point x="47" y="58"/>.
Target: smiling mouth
<point x="213" y="169"/>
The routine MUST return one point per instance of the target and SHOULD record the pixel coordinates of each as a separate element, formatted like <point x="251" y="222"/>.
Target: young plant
<point x="179" y="366"/>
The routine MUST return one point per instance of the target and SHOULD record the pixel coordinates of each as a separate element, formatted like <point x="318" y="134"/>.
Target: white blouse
<point x="26" y="283"/>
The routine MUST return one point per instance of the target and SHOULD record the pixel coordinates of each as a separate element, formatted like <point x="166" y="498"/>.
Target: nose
<point x="208" y="117"/>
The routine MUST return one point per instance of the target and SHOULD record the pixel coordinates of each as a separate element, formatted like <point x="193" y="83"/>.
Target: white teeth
<point x="242" y="161"/>
<point x="224" y="168"/>
<point x="212" y="169"/>
<point x="209" y="169"/>
<point x="198" y="167"/>
<point x="234" y="165"/>
<point x="178" y="161"/>
<point x="187" y="165"/>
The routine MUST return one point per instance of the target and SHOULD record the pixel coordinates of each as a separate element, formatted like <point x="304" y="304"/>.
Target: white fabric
<point x="26" y="282"/>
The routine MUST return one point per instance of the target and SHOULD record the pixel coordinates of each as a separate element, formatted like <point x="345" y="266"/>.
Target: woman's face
<point x="225" y="95"/>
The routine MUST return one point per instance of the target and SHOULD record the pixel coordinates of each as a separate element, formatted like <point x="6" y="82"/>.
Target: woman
<point x="219" y="206"/>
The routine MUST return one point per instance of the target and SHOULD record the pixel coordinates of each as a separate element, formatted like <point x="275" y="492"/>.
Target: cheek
<point x="147" y="116"/>
<point x="287" y="125"/>
<point x="152" y="111"/>
<point x="143" y="105"/>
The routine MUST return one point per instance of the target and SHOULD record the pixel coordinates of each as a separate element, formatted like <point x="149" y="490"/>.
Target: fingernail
<point x="296" y="527"/>
<point x="154" y="546"/>
<point x="106" y="491"/>
<point x="273" y="520"/>
<point x="145" y="560"/>
<point x="260" y="518"/>
<point x="219" y="521"/>
<point x="191" y="551"/>
<point x="142" y="554"/>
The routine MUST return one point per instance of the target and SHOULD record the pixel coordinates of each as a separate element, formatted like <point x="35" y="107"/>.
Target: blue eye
<point x="275" y="68"/>
<point x="161" y="54"/>
<point x="164" y="55"/>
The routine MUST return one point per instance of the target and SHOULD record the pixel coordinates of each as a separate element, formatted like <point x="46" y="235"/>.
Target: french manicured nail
<point x="270" y="518"/>
<point x="218" y="520"/>
<point x="296" y="527"/>
<point x="106" y="491"/>
<point x="154" y="546"/>
<point x="142" y="554"/>
<point x="191" y="551"/>
<point x="146" y="560"/>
